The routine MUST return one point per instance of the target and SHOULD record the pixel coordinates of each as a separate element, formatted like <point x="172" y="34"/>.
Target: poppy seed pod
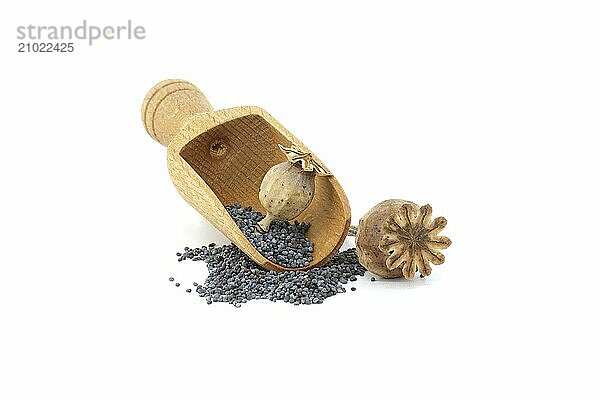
<point x="288" y="187"/>
<point x="397" y="238"/>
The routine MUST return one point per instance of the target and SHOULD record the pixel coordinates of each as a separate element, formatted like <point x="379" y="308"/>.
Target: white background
<point x="489" y="111"/>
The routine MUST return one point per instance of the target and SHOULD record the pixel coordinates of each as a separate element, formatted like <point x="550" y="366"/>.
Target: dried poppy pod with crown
<point x="397" y="238"/>
<point x="288" y="187"/>
<point x="218" y="158"/>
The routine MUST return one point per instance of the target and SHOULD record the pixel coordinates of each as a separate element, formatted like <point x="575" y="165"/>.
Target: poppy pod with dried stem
<point x="397" y="238"/>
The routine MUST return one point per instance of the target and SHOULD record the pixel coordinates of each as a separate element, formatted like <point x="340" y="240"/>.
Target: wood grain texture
<point x="217" y="158"/>
<point x="168" y="105"/>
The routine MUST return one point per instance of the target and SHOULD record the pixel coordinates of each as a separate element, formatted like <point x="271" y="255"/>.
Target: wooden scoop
<point x="218" y="158"/>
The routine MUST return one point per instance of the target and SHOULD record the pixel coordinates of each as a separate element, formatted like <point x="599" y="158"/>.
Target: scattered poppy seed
<point x="171" y="279"/>
<point x="177" y="284"/>
<point x="353" y="288"/>
<point x="188" y="290"/>
<point x="235" y="279"/>
<point x="372" y="279"/>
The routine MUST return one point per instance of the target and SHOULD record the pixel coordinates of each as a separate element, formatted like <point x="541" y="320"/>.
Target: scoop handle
<point x="168" y="105"/>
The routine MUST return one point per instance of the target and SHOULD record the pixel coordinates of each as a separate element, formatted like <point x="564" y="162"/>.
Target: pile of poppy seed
<point x="285" y="243"/>
<point x="235" y="279"/>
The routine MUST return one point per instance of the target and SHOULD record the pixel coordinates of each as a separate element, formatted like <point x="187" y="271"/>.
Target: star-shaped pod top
<point x="411" y="240"/>
<point x="307" y="161"/>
